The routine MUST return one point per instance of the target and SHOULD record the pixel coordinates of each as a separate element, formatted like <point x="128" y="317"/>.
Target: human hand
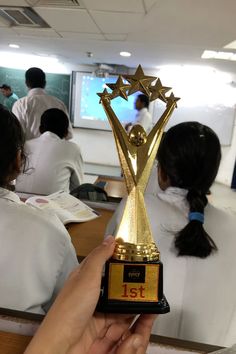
<point x="71" y="327"/>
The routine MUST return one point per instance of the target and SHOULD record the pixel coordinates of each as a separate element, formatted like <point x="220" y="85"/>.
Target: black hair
<point x="56" y="121"/>
<point x="12" y="140"/>
<point x="190" y="155"/>
<point x="5" y="87"/>
<point x="35" y="77"/>
<point x="144" y="99"/>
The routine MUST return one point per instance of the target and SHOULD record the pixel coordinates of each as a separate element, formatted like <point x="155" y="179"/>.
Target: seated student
<point x="36" y="253"/>
<point x="54" y="163"/>
<point x="197" y="241"/>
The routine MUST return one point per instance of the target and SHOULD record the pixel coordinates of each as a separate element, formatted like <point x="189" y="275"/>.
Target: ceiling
<point x="156" y="32"/>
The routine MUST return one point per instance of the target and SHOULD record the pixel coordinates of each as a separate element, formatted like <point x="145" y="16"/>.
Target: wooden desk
<point x="115" y="186"/>
<point x="11" y="343"/>
<point x="86" y="236"/>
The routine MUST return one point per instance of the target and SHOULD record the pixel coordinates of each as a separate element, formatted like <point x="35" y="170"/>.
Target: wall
<point x="98" y="147"/>
<point x="227" y="162"/>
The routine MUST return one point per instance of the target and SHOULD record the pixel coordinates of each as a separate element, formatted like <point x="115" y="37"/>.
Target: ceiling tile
<point x="115" y="36"/>
<point x="111" y="5"/>
<point x="3" y="23"/>
<point x="149" y="4"/>
<point x="13" y="3"/>
<point x="116" y="22"/>
<point x="68" y="19"/>
<point x="76" y="35"/>
<point x="39" y="32"/>
<point x="6" y="31"/>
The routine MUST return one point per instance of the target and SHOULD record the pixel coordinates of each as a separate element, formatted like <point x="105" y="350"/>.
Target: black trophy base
<point x="133" y="288"/>
<point x="123" y="307"/>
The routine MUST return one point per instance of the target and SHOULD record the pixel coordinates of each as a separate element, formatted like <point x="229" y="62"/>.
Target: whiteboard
<point x="219" y="118"/>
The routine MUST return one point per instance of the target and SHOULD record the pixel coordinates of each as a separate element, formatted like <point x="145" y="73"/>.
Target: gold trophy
<point x="133" y="281"/>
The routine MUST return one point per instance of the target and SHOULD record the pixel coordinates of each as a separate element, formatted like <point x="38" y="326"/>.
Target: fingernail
<point x="137" y="343"/>
<point x="108" y="240"/>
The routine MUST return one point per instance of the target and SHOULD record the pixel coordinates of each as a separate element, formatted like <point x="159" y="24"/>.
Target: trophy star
<point x="172" y="99"/>
<point x="158" y="91"/>
<point x="104" y="95"/>
<point x="139" y="81"/>
<point x="119" y="88"/>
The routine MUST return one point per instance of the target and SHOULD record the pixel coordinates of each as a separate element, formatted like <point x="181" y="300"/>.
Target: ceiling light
<point x="14" y="46"/>
<point x="211" y="54"/>
<point x="231" y="45"/>
<point x="125" y="54"/>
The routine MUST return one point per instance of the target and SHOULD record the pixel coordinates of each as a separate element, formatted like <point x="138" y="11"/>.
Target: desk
<point x="11" y="343"/>
<point x="115" y="186"/>
<point x="86" y="236"/>
<point x="16" y="344"/>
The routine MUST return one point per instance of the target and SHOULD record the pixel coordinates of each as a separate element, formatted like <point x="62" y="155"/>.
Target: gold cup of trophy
<point x="133" y="280"/>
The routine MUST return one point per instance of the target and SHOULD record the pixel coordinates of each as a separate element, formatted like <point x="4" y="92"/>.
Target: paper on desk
<point x="154" y="348"/>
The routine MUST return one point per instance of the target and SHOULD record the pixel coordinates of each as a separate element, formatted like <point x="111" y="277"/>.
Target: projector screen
<point x="86" y="110"/>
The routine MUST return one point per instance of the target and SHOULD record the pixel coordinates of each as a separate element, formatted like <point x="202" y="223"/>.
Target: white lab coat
<point x="30" y="108"/>
<point x="53" y="165"/>
<point x="201" y="292"/>
<point x="36" y="255"/>
<point x="144" y="118"/>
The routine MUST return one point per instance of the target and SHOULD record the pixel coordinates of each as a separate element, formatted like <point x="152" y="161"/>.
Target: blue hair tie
<point x="196" y="216"/>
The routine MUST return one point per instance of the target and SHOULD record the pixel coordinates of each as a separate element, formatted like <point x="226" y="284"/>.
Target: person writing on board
<point x="196" y="240"/>
<point x="10" y="96"/>
<point x="36" y="252"/>
<point x="54" y="163"/>
<point x="72" y="326"/>
<point x="143" y="117"/>
<point x="29" y="109"/>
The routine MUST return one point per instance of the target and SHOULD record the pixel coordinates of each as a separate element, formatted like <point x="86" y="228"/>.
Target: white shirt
<point x="53" y="165"/>
<point x="36" y="255"/>
<point x="201" y="292"/>
<point x="144" y="118"/>
<point x="30" y="108"/>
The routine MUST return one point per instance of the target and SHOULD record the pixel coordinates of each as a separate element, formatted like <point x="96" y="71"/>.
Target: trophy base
<point x="133" y="288"/>
<point x="123" y="307"/>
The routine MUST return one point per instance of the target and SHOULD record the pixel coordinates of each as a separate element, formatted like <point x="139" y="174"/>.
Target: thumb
<point x="132" y="345"/>
<point x="93" y="264"/>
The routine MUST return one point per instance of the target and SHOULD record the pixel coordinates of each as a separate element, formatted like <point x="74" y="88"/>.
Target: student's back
<point x="199" y="259"/>
<point x="36" y="253"/>
<point x="201" y="292"/>
<point x="36" y="256"/>
<point x="53" y="163"/>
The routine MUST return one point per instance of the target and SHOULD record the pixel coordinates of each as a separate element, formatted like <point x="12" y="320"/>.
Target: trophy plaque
<point x="133" y="280"/>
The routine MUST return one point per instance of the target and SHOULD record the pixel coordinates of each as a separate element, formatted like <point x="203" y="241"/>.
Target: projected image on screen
<point x="92" y="110"/>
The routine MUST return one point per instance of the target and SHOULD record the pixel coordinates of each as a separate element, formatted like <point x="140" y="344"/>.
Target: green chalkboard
<point x="57" y="84"/>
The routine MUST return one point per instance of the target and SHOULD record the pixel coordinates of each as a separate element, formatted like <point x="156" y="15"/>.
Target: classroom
<point x="117" y="176"/>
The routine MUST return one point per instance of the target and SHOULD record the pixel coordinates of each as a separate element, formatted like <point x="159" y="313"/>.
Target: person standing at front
<point x="143" y="117"/>
<point x="30" y="108"/>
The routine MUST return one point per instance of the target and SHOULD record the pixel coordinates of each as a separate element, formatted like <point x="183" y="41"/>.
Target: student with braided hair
<point x="197" y="241"/>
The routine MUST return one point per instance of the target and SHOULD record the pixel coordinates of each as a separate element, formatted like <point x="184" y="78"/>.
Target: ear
<point x="15" y="168"/>
<point x="163" y="179"/>
<point x="18" y="162"/>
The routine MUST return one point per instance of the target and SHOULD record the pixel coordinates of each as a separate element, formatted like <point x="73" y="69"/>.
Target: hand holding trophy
<point x="133" y="281"/>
